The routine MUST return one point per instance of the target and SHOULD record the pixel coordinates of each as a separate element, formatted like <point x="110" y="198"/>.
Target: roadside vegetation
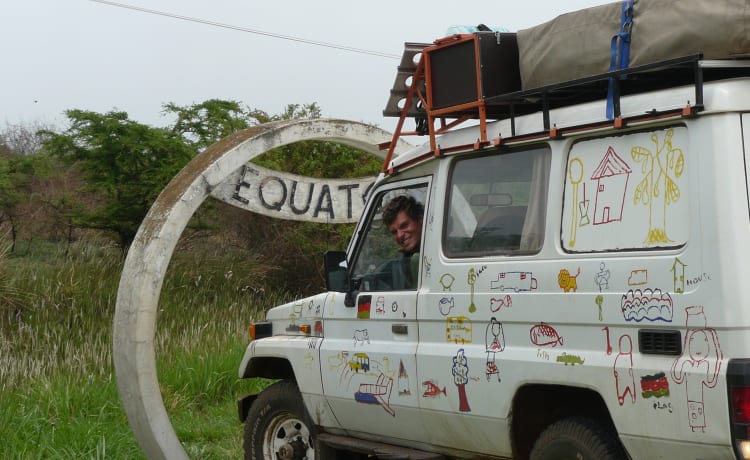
<point x="66" y="220"/>
<point x="58" y="394"/>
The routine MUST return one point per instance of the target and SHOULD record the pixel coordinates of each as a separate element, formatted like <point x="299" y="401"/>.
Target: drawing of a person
<point x="494" y="342"/>
<point x="700" y="368"/>
<point x="602" y="278"/>
<point x="623" y="370"/>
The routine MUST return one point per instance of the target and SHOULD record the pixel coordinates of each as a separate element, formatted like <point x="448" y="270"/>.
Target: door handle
<point x="399" y="328"/>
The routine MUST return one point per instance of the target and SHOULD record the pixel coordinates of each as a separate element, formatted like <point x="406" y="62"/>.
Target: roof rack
<point x="457" y="94"/>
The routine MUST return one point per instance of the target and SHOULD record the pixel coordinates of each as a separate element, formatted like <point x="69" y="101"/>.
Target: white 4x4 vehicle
<point x="579" y="285"/>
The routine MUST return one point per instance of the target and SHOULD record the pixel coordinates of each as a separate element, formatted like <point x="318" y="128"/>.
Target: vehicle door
<point x="368" y="356"/>
<point x="492" y="225"/>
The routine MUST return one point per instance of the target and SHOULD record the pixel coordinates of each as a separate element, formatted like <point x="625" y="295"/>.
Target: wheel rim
<point x="288" y="438"/>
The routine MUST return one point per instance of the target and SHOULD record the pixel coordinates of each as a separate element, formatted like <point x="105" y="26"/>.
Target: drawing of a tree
<point x="460" y="372"/>
<point x="658" y="188"/>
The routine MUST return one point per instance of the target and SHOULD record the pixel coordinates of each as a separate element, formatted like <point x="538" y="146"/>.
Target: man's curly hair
<point x="406" y="203"/>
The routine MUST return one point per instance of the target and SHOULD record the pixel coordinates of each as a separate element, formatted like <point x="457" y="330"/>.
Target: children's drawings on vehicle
<point x="638" y="277"/>
<point x="662" y="166"/>
<point x="377" y="393"/>
<point x="568" y="282"/>
<point x="309" y="360"/>
<point x="394" y="306"/>
<point x="699" y="365"/>
<point x="380" y="306"/>
<point x="338" y="360"/>
<point x="458" y="329"/>
<point x="601" y="278"/>
<point x="542" y="353"/>
<point x="471" y="280"/>
<point x="609" y="344"/>
<point x="361" y="336"/>
<point x="678" y="275"/>
<point x="360" y="365"/>
<point x="460" y="371"/>
<point x="446" y="305"/>
<point x="544" y="335"/>
<point x="496" y="303"/>
<point x="623" y="370"/>
<point x="360" y="362"/>
<point x="432" y="389"/>
<point x="611" y="176"/>
<point x="599" y="300"/>
<point x="623" y="215"/>
<point x="494" y="342"/>
<point x="575" y="174"/>
<point x="427" y="264"/>
<point x="446" y="281"/>
<point x="570" y="359"/>
<point x="514" y="281"/>
<point x="655" y="386"/>
<point x="662" y="406"/>
<point x="649" y="305"/>
<point x="404" y="387"/>
<point x="695" y="280"/>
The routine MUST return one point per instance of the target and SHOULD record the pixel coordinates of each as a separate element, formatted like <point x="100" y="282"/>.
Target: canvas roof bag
<point x="579" y="44"/>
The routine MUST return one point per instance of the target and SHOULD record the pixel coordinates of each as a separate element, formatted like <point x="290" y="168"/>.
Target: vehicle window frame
<point x="545" y="154"/>
<point x="371" y="209"/>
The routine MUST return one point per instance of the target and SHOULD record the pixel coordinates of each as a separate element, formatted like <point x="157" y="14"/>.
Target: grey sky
<point x="66" y="54"/>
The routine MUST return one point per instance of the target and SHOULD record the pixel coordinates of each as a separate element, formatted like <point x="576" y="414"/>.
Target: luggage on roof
<point x="580" y="43"/>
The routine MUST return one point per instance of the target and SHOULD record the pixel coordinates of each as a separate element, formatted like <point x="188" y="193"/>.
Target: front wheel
<point x="278" y="427"/>
<point x="577" y="438"/>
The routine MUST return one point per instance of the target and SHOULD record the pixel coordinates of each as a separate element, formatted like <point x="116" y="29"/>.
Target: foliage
<point x="22" y="139"/>
<point x="16" y="176"/>
<point x="58" y="392"/>
<point x="126" y="163"/>
<point x="110" y="169"/>
<point x="201" y="125"/>
<point x="297" y="247"/>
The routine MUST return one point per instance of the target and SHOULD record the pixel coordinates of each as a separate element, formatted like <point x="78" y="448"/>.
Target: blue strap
<point x="620" y="50"/>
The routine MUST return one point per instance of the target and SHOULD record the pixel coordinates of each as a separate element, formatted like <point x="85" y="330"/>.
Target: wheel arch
<point x="536" y="406"/>
<point x="269" y="367"/>
<point x="263" y="367"/>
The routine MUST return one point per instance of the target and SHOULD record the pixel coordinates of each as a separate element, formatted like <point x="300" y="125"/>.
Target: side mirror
<point x="337" y="276"/>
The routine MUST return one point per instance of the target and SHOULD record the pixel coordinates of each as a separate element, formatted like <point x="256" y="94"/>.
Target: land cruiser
<point x="579" y="284"/>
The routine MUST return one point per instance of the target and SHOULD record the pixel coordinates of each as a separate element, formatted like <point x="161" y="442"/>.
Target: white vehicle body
<point x="627" y="304"/>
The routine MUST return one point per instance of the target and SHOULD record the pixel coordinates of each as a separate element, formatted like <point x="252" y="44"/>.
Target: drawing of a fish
<point x="432" y="390"/>
<point x="544" y="335"/>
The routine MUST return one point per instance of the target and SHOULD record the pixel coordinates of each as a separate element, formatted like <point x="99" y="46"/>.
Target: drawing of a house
<point x="611" y="177"/>
<point x="678" y="271"/>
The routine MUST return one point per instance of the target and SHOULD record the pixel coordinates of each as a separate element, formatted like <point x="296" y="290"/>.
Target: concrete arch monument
<point x="219" y="171"/>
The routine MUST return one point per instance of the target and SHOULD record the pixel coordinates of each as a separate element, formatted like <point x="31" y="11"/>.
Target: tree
<point x="22" y="139"/>
<point x="296" y="247"/>
<point x="16" y="175"/>
<point x="127" y="164"/>
<point x="658" y="189"/>
<point x="204" y="124"/>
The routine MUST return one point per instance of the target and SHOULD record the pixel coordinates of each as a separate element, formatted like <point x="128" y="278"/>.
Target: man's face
<point x="406" y="231"/>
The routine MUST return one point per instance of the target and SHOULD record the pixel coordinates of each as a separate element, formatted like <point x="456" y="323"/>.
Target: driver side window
<point x="388" y="257"/>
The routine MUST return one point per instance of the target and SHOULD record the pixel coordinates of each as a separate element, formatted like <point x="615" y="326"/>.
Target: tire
<point x="577" y="438"/>
<point x="278" y="426"/>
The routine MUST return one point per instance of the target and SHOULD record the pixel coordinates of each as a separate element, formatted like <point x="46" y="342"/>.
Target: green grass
<point x="58" y="393"/>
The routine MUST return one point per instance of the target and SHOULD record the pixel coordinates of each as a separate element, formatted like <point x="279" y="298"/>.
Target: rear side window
<point x="627" y="192"/>
<point x="497" y="204"/>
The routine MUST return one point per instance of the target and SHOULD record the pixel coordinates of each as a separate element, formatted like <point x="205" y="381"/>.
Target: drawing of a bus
<point x="514" y="281"/>
<point x="360" y="362"/>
